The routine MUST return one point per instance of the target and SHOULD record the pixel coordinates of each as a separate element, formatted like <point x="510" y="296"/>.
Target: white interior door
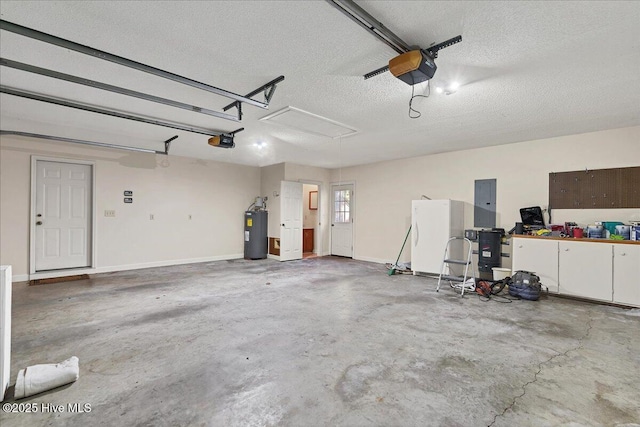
<point x="342" y="220"/>
<point x="290" y="220"/>
<point x="62" y="215"/>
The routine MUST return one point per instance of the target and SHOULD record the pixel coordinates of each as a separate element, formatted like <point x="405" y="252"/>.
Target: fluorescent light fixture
<point x="260" y="145"/>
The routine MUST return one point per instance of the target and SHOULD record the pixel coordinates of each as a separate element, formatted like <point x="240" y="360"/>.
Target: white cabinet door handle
<point x="623" y="254"/>
<point x="566" y="250"/>
<point x="520" y="246"/>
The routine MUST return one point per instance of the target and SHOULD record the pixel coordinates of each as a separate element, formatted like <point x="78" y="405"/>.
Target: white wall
<point x="384" y="190"/>
<point x="169" y="187"/>
<point x="216" y="194"/>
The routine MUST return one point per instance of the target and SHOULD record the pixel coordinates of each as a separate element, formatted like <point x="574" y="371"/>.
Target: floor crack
<point x="540" y="366"/>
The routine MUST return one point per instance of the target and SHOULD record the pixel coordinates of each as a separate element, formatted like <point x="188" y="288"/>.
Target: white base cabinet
<point x="586" y="270"/>
<point x="626" y="274"/>
<point x="600" y="270"/>
<point x="537" y="256"/>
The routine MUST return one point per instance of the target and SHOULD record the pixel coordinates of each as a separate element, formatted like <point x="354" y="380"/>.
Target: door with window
<point x="342" y="220"/>
<point x="63" y="217"/>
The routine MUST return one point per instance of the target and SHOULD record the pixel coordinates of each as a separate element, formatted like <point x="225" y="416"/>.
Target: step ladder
<point x="458" y="282"/>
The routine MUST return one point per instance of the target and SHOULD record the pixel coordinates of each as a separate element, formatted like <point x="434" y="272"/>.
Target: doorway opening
<point x="310" y="221"/>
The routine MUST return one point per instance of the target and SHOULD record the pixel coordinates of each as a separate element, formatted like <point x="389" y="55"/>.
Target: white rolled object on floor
<point x="38" y="378"/>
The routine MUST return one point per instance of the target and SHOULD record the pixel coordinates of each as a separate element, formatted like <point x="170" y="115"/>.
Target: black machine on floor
<point x="525" y="285"/>
<point x="489" y="251"/>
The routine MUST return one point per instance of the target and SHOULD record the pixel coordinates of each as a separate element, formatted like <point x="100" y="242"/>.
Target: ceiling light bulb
<point x="438" y="89"/>
<point x="454" y="86"/>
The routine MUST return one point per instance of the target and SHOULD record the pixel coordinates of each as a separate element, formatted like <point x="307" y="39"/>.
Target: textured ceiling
<point x="527" y="70"/>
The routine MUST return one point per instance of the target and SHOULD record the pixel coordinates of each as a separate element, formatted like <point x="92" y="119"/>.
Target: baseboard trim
<point x="114" y="268"/>
<point x="166" y="263"/>
<point x="20" y="278"/>
<point x="376" y="260"/>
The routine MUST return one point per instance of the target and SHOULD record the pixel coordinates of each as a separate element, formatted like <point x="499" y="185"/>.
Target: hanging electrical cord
<point x="488" y="290"/>
<point x="411" y="109"/>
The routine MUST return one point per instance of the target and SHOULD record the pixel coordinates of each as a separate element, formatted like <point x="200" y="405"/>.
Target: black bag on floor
<point x="526" y="285"/>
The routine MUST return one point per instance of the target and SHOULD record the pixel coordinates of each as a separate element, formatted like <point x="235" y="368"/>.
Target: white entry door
<point x="62" y="215"/>
<point x="342" y="220"/>
<point x="290" y="220"/>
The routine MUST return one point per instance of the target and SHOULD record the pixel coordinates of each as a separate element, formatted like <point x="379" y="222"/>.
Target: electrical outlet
<point x="110" y="213"/>
<point x="151" y="217"/>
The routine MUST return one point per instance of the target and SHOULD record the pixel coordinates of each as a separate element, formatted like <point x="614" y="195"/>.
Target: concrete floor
<point x="323" y="341"/>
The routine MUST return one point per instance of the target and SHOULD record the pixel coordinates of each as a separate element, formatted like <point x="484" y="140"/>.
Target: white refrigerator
<point x="433" y="222"/>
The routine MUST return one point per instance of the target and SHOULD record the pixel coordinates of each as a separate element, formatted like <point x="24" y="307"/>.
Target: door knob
<point x="39" y="215"/>
<point x="39" y="223"/>
<point x="282" y="225"/>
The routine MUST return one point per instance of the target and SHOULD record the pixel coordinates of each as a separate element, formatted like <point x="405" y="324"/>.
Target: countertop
<point x="571" y="239"/>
